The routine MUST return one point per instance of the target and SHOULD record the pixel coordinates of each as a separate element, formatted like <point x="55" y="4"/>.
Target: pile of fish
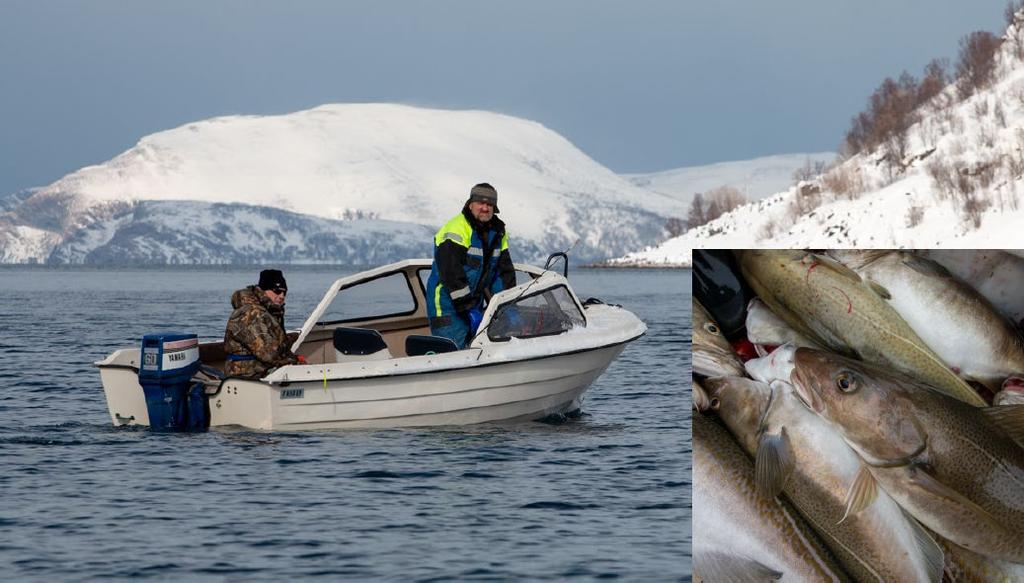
<point x="880" y="434"/>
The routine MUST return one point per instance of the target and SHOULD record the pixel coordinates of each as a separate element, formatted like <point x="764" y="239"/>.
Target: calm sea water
<point x="603" y="496"/>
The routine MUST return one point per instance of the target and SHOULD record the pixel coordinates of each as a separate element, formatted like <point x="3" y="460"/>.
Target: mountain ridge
<point x="351" y="162"/>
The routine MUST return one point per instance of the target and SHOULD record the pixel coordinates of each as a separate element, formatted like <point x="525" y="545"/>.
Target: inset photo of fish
<point x="858" y="415"/>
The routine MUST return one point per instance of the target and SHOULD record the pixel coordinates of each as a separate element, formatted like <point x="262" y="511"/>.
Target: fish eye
<point x="711" y="328"/>
<point x="845" y="382"/>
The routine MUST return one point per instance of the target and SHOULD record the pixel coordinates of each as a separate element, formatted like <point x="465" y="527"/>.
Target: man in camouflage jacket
<point x="255" y="340"/>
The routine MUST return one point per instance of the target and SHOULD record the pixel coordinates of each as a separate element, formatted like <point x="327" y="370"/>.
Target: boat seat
<point x="418" y="345"/>
<point x="359" y="344"/>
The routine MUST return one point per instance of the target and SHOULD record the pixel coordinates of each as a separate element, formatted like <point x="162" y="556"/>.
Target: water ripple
<point x="602" y="495"/>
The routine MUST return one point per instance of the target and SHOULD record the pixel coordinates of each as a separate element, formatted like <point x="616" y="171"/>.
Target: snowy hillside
<point x="959" y="185"/>
<point x="238" y="234"/>
<point x="756" y="179"/>
<point x="348" y="164"/>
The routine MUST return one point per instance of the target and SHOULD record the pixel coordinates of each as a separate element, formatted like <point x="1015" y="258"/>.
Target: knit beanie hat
<point x="484" y="192"/>
<point x="272" y="280"/>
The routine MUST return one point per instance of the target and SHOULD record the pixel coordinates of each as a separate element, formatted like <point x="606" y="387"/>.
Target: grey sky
<point x="639" y="86"/>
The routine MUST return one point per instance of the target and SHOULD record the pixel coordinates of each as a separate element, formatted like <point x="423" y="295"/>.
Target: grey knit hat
<point x="484" y="192"/>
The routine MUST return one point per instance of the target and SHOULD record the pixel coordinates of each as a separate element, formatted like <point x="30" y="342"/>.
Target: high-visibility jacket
<point x="468" y="261"/>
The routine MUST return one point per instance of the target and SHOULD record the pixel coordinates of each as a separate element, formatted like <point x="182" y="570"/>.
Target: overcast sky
<point x="638" y="85"/>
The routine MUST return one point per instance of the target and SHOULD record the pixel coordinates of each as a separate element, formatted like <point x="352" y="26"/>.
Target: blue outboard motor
<point x="174" y="402"/>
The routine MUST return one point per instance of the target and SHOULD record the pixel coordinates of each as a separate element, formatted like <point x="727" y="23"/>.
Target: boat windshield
<point x="544" y="313"/>
<point x="387" y="295"/>
<point x="424" y="275"/>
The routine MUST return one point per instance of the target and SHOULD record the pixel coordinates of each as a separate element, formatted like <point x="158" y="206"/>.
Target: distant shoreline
<point x="299" y="266"/>
<point x="642" y="265"/>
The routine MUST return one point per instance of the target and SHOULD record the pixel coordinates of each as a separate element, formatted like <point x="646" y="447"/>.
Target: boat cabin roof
<point x="412" y="272"/>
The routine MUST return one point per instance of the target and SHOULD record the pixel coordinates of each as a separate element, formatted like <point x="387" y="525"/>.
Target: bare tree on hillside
<point x="895" y="113"/>
<point x="713" y="204"/>
<point x="698" y="212"/>
<point x="1012" y="8"/>
<point x="890" y="113"/>
<point x="935" y="79"/>
<point x="675" y="226"/>
<point x="976" y="64"/>
<point x="726" y="198"/>
<point x="810" y="170"/>
<point x="856" y="139"/>
<point x="1013" y="20"/>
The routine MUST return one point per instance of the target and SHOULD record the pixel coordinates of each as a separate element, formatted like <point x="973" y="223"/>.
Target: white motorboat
<point x="538" y="348"/>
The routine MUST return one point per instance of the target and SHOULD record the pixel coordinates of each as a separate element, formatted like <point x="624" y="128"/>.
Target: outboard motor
<point x="174" y="401"/>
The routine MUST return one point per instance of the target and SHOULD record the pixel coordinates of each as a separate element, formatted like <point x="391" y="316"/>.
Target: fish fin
<point x="862" y="493"/>
<point x="879" y="289"/>
<point x="933" y="555"/>
<point x="926" y="267"/>
<point x="838" y="268"/>
<point x="719" y="566"/>
<point x="773" y="464"/>
<point x="1008" y="418"/>
<point x="864" y="257"/>
<point x="957" y="388"/>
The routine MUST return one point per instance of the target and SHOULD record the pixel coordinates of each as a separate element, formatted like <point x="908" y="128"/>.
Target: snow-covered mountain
<point x="385" y="174"/>
<point x="959" y="184"/>
<point x="755" y="179"/>
<point x="233" y="233"/>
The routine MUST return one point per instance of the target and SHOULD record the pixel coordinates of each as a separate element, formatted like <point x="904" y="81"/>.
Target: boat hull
<point x="517" y="390"/>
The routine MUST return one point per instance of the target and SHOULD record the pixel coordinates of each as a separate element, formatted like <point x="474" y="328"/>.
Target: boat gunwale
<point x="401" y="374"/>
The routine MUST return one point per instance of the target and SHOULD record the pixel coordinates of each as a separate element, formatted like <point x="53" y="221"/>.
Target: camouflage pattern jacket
<point x="256" y="329"/>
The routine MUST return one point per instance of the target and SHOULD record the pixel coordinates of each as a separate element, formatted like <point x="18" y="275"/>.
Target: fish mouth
<point x="808" y="396"/>
<point x="714" y="358"/>
<point x="1014" y="383"/>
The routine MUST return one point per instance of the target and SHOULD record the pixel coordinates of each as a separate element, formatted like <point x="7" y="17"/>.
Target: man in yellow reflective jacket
<point x="471" y="262"/>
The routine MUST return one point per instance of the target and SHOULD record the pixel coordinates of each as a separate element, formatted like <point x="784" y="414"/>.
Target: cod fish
<point x="997" y="275"/>
<point x="738" y="533"/>
<point x="967" y="332"/>
<point x="712" y="354"/>
<point x="765" y="328"/>
<point x="958" y="469"/>
<point x="825" y="300"/>
<point x="802" y="455"/>
<point x="963" y="565"/>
